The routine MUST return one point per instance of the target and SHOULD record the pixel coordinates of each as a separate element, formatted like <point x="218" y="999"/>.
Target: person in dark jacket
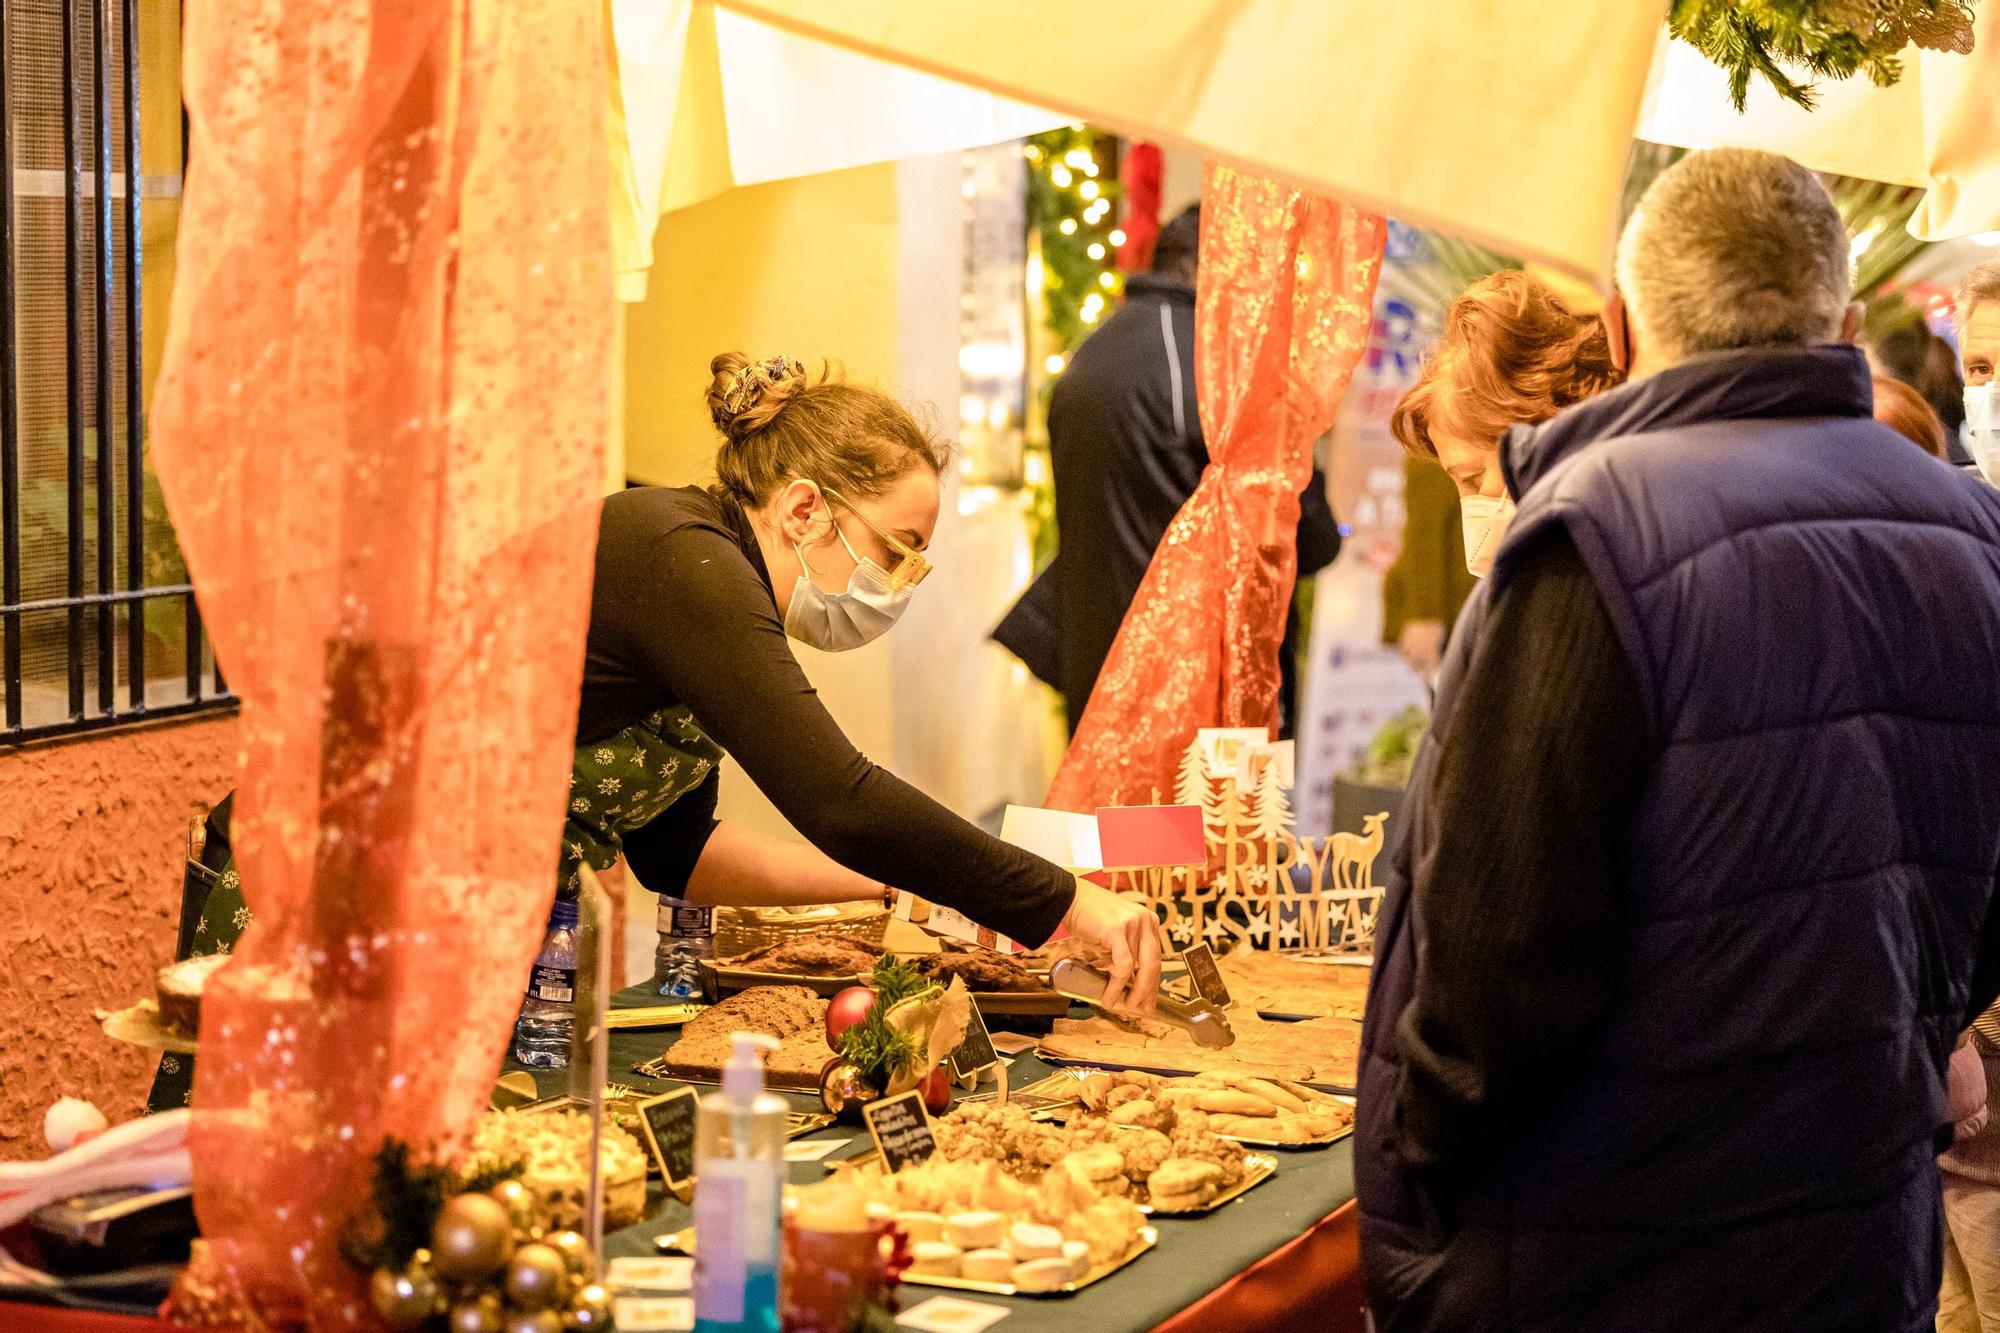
<point x="1695" y="889"/>
<point x="1127" y="450"/>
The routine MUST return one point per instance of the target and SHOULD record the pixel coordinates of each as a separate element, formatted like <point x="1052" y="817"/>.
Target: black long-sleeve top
<point x="1538" y="779"/>
<point x="682" y="612"/>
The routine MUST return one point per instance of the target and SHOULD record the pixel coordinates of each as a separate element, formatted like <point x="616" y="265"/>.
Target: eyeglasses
<point x="910" y="568"/>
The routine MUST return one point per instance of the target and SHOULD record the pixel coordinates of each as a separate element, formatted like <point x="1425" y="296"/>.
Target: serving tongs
<point x="1200" y="1019"/>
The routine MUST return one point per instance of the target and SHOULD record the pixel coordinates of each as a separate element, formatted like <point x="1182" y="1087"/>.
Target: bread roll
<point x="974" y="1231"/>
<point x="987" y="1266"/>
<point x="936" y="1258"/>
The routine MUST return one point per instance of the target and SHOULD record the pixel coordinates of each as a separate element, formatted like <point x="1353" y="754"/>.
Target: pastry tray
<point x="1273" y="1144"/>
<point x="1257" y="1168"/>
<point x="682" y="1242"/>
<point x="1167" y="1071"/>
<point x="140" y="1025"/>
<point x="657" y="1067"/>
<point x="1007" y="1003"/>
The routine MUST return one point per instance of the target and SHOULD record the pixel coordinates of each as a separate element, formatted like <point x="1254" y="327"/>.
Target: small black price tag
<point x="976" y="1051"/>
<point x="668" y="1122"/>
<point x="901" y="1128"/>
<point x="1206" y="976"/>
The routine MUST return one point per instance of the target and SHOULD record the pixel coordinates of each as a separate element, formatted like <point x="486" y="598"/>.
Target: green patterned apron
<point x="616" y="785"/>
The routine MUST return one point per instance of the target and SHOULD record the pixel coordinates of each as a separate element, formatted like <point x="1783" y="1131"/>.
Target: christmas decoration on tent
<point x="1263" y="886"/>
<point x="466" y="1250"/>
<point x="1831" y="39"/>
<point x="1143" y="177"/>
<point x="1072" y="189"/>
<point x="430" y="183"/>
<point x="1283" y="308"/>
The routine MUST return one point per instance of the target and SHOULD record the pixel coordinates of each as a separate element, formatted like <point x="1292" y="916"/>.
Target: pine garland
<point x="877" y="1050"/>
<point x="407" y="1198"/>
<point x="1823" y="39"/>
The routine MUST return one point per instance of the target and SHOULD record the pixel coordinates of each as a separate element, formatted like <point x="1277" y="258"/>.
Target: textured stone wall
<point x="92" y="839"/>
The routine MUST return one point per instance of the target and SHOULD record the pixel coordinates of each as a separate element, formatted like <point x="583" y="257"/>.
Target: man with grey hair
<point x="1692" y="896"/>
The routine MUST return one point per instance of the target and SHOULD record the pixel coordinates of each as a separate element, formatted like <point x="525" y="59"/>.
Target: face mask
<point x="1982" y="429"/>
<point x="1485" y="518"/>
<point x="833" y="622"/>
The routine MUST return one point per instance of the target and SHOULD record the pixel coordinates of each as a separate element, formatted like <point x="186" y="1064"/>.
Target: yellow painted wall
<point x="804" y="267"/>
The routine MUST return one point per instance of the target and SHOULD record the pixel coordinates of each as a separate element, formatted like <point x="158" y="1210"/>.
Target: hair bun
<point x="744" y="395"/>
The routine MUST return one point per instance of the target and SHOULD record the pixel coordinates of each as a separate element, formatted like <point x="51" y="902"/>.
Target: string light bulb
<point x="1060" y="175"/>
<point x="1067" y="226"/>
<point x="1054" y="365"/>
<point x="1096" y="250"/>
<point x="1088" y="189"/>
<point x="1118" y="236"/>
<point x="1107" y="279"/>
<point x="1078" y="158"/>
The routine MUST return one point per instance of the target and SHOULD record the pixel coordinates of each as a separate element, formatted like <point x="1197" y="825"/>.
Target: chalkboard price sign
<point x="1206" y="976"/>
<point x="668" y="1122"/>
<point x="901" y="1128"/>
<point x="976" y="1051"/>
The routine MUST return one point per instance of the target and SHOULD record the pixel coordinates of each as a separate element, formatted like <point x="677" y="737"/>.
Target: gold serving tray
<point x="653" y="1016"/>
<point x="1309" y="1145"/>
<point x="682" y="1242"/>
<point x="140" y="1025"/>
<point x="1257" y="1168"/>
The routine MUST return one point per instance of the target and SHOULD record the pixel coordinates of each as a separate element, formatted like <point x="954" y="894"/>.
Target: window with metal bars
<point x="98" y="625"/>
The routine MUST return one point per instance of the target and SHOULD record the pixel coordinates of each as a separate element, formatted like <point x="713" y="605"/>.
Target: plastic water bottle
<point x="541" y="1036"/>
<point x="739" y="1167"/>
<point x="687" y="936"/>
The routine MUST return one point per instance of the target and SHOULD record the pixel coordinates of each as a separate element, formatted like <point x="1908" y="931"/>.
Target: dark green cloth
<point x="1194" y="1257"/>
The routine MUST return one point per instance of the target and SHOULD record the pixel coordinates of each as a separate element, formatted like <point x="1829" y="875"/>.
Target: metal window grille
<point x="98" y="624"/>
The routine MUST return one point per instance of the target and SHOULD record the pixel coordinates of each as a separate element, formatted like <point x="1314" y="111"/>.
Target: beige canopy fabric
<point x="1507" y="124"/>
<point x="1939" y="128"/>
<point x="710" y="100"/>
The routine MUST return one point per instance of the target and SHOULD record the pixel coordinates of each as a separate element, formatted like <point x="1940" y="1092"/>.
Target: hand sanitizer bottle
<point x="739" y="1165"/>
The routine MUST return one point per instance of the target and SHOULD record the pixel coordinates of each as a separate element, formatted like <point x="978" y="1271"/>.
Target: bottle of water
<point x="541" y="1036"/>
<point x="687" y="936"/>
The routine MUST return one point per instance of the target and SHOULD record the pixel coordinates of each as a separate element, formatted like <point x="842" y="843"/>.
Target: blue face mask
<point x="834" y="622"/>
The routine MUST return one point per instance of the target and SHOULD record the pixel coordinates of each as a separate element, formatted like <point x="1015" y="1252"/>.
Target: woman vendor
<point x="826" y="495"/>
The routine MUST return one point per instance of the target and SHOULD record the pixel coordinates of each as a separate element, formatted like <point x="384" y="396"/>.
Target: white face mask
<point x="834" y="622"/>
<point x="1485" y="519"/>
<point x="1982" y="429"/>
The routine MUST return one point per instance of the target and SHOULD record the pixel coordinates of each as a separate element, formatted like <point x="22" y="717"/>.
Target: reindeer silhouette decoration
<point x="1353" y="854"/>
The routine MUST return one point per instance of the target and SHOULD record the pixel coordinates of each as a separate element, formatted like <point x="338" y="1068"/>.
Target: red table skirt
<point x="1313" y="1282"/>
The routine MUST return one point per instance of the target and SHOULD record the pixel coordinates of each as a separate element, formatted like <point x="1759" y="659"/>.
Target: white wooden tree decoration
<point x="1264" y="886"/>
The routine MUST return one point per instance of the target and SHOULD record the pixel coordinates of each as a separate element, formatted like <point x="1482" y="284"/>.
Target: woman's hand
<point x="1126" y="926"/>
<point x="1422" y="645"/>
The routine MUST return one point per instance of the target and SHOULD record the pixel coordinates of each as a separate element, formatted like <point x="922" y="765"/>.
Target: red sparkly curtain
<point x="380" y="427"/>
<point x="1282" y="312"/>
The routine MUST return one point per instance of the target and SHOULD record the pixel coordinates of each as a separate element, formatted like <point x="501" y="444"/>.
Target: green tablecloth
<point x="1193" y="1258"/>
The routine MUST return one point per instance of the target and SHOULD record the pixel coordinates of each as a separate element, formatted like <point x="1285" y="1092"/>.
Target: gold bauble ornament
<point x="473" y="1238"/>
<point x="406" y="1299"/>
<point x="519" y="1201"/>
<point x="574" y="1249"/>
<point x="478" y="1314"/>
<point x="534" y="1321"/>
<point x="590" y="1310"/>
<point x="537" y="1277"/>
<point x="843" y="1089"/>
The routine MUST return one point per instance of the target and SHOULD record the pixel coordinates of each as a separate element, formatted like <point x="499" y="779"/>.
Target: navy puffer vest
<point x="1811" y="608"/>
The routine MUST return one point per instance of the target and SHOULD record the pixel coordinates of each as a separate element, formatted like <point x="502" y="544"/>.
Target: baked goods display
<point x="1261" y="1110"/>
<point x="553" y="1149"/>
<point x="1324" y="1051"/>
<point x="809" y="956"/>
<point x="982" y="970"/>
<point x="1084" y="951"/>
<point x="1274" y="984"/>
<point x="1122" y="1153"/>
<point x="792" y="1014"/>
<point x="180" y="986"/>
<point x="971" y="1221"/>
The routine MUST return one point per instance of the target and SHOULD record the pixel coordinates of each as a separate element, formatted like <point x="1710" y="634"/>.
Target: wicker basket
<point x="738" y="930"/>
